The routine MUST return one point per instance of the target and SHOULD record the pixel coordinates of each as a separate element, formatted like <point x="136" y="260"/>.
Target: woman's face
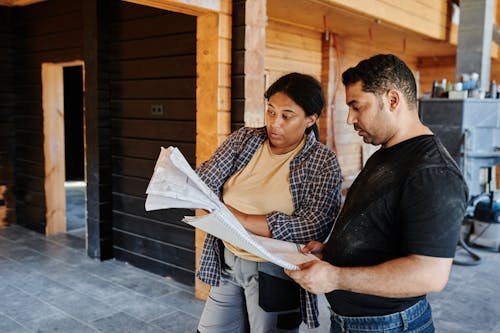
<point x="286" y="123"/>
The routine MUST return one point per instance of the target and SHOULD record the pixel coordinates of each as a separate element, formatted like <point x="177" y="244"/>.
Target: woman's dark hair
<point x="381" y="73"/>
<point x="304" y="90"/>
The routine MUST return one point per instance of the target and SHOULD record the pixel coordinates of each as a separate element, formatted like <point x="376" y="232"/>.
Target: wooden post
<point x="53" y="133"/>
<point x="3" y="206"/>
<point x="255" y="45"/>
<point x="328" y="83"/>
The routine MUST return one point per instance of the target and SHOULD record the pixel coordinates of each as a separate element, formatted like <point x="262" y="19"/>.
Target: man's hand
<point x="315" y="276"/>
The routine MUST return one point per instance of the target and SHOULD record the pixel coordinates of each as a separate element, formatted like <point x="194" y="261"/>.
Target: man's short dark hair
<point x="381" y="73"/>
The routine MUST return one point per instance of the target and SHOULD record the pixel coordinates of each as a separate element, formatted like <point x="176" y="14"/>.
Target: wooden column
<point x="255" y="44"/>
<point x="53" y="131"/>
<point x="97" y="15"/>
<point x="213" y="96"/>
<point x="328" y="83"/>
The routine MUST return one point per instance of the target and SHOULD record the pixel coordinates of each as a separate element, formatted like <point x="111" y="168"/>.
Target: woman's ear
<point x="311" y="120"/>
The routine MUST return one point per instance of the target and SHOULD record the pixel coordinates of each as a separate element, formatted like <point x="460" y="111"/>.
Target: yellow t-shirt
<point x="261" y="187"/>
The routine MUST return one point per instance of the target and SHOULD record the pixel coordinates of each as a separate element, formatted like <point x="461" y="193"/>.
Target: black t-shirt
<point x="408" y="199"/>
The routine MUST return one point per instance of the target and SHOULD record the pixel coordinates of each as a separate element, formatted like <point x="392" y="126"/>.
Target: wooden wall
<point x="297" y="48"/>
<point x="46" y="32"/>
<point x="6" y="117"/>
<point x="291" y="49"/>
<point x="154" y="55"/>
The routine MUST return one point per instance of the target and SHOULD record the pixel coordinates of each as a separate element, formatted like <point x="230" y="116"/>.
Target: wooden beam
<point x="255" y="45"/>
<point x="189" y="7"/>
<point x="426" y="17"/>
<point x="328" y="81"/>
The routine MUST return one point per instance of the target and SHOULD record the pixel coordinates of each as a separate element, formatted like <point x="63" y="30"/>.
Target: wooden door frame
<point x="53" y="143"/>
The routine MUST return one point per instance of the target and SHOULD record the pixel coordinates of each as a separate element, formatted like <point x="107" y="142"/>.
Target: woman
<point x="280" y="182"/>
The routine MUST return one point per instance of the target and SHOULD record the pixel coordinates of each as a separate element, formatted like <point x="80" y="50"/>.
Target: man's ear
<point x="394" y="98"/>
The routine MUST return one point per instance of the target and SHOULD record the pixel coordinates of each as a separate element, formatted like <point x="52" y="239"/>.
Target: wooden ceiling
<point x="347" y="24"/>
<point x="12" y="3"/>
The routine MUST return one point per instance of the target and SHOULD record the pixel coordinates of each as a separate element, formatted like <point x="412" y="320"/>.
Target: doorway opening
<point x="64" y="147"/>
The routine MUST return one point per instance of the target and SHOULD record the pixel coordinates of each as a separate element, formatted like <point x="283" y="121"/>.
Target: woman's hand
<point x="314" y="247"/>
<point x="256" y="224"/>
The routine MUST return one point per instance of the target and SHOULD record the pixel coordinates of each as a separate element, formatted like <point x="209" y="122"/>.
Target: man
<point x="395" y="238"/>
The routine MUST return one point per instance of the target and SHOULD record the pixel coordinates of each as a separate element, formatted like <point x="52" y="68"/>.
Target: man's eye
<point x="271" y="113"/>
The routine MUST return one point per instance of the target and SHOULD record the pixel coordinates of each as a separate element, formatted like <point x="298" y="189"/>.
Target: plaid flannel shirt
<point x="315" y="185"/>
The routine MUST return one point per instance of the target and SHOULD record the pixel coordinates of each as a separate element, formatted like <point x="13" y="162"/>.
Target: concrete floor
<point x="48" y="284"/>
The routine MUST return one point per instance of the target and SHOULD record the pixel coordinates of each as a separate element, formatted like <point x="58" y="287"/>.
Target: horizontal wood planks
<point x="49" y="31"/>
<point x="7" y="123"/>
<point x="154" y="64"/>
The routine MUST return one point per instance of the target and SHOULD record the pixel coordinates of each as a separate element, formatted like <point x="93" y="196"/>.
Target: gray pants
<point x="233" y="306"/>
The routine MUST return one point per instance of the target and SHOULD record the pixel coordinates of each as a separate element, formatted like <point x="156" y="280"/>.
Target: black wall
<point x="7" y="138"/>
<point x="49" y="31"/>
<point x="135" y="57"/>
<point x="238" y="66"/>
<point x="154" y="65"/>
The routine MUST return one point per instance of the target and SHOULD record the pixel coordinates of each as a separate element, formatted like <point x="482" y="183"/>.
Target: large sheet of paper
<point x="174" y="184"/>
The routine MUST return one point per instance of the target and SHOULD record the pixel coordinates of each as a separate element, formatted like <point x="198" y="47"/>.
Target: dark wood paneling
<point x="28" y="152"/>
<point x="134" y="205"/>
<point x="50" y="31"/>
<point x="7" y="126"/>
<point x="180" y="109"/>
<point x="160" y="231"/>
<point x="97" y="16"/>
<point x="181" y="44"/>
<point x="149" y="149"/>
<point x="175" y="66"/>
<point x="133" y="167"/>
<point x="175" y="131"/>
<point x="154" y="249"/>
<point x="130" y="185"/>
<point x="159" y="23"/>
<point x="154" y="62"/>
<point x="155" y="266"/>
<point x="238" y="65"/>
<point x="156" y="88"/>
<point x="54" y="41"/>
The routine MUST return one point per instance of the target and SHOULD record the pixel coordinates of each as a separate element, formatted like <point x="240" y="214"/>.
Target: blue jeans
<point x="415" y="319"/>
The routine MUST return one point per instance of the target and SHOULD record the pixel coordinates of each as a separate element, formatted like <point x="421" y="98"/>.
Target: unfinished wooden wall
<point x="50" y="31"/>
<point x="6" y="118"/>
<point x="292" y="48"/>
<point x="154" y="56"/>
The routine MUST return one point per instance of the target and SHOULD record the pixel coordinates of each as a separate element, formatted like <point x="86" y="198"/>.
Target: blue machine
<point x="486" y="222"/>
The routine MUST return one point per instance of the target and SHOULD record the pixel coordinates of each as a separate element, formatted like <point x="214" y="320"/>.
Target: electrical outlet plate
<point x="157" y="109"/>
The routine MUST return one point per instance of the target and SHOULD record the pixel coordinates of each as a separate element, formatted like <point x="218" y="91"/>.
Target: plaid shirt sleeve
<point x="234" y="153"/>
<point x="316" y="185"/>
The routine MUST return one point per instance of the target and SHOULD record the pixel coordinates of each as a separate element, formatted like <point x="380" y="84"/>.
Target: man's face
<point x="369" y="114"/>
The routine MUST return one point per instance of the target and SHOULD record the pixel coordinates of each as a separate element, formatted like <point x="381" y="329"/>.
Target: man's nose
<point x="351" y="119"/>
